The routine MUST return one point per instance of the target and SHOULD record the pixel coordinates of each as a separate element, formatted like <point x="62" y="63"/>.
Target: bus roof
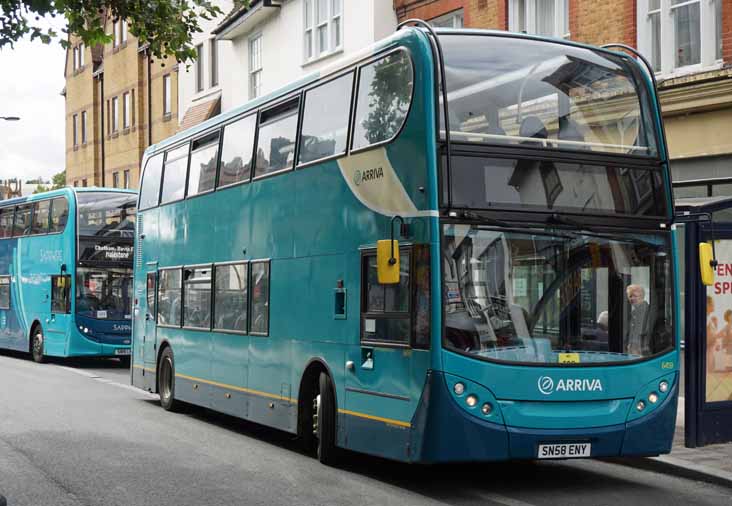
<point x="65" y="191"/>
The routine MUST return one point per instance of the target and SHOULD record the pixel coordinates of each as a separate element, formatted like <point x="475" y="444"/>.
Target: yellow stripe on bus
<point x="238" y="389"/>
<point x="148" y="369"/>
<point x="388" y="421"/>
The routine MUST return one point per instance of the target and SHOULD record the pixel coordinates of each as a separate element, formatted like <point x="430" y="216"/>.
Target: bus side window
<point x="174" y="174"/>
<point x="150" y="187"/>
<point x="22" y="224"/>
<point x="40" y="217"/>
<point x="4" y="292"/>
<point x="59" y="215"/>
<point x="60" y="294"/>
<point x="384" y="97"/>
<point x="325" y="120"/>
<point x="259" y="298"/>
<point x="385" y="309"/>
<point x="151" y="285"/>
<point x="276" y="141"/>
<point x="6" y="222"/>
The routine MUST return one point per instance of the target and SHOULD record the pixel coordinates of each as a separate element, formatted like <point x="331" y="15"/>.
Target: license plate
<point x="564" y="451"/>
<point x="122" y="351"/>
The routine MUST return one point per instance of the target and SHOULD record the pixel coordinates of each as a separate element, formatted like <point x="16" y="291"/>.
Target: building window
<point x="115" y="114"/>
<point x="214" y="63"/>
<point x="76" y="184"/>
<point x="132" y="108"/>
<point x="255" y="66"/>
<point x="115" y="34"/>
<point x="84" y="183"/>
<point x="109" y="121"/>
<point x="126" y="180"/>
<point x="81" y="56"/>
<point x="549" y="18"/>
<point x="167" y="102"/>
<point x="115" y="179"/>
<point x="679" y="34"/>
<point x="455" y="19"/>
<point x="126" y="110"/>
<point x="123" y="31"/>
<point x="199" y="67"/>
<point x="83" y="127"/>
<point x="75" y="120"/>
<point x="323" y="27"/>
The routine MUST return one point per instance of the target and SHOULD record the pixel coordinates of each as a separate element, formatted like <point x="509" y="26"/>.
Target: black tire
<point x="166" y="381"/>
<point x="326" y="421"/>
<point x="124" y="362"/>
<point x="37" y="347"/>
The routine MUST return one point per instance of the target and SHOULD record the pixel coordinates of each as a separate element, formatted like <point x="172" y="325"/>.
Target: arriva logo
<point x="546" y="385"/>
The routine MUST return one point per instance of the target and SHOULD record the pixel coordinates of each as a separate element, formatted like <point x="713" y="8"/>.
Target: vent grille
<point x="138" y="242"/>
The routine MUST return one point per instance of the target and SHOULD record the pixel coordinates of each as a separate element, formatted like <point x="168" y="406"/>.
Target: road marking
<point x="108" y="381"/>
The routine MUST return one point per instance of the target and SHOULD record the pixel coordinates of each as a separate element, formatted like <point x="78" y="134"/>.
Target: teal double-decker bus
<point x="66" y="273"/>
<point x="473" y="271"/>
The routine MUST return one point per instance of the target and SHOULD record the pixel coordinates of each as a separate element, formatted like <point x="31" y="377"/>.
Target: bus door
<point x="384" y="371"/>
<point x="149" y="337"/>
<point x="56" y="326"/>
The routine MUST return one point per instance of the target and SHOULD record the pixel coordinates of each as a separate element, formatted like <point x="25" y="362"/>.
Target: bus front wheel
<point x="37" y="351"/>
<point x="166" y="381"/>
<point x="325" y="421"/>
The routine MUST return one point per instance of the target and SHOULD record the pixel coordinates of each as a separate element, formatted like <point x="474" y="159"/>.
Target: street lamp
<point x="10" y="118"/>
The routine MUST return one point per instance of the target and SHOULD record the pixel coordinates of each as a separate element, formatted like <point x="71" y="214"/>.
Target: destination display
<point x="94" y="251"/>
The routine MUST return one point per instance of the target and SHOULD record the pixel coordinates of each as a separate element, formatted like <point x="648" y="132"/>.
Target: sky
<point x="31" y="81"/>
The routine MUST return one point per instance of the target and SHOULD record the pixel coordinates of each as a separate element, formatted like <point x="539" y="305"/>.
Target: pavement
<point x="712" y="463"/>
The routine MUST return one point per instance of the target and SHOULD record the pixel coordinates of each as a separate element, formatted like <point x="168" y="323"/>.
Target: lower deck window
<point x="197" y="296"/>
<point x="169" y="297"/>
<point x="61" y="294"/>
<point x="230" y="297"/>
<point x="260" y="298"/>
<point x="4" y="292"/>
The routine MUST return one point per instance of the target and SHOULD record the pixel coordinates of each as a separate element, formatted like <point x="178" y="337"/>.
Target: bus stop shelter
<point x="706" y="319"/>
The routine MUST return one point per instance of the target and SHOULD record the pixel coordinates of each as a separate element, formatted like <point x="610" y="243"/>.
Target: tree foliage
<point x="166" y="25"/>
<point x="389" y="97"/>
<point x="58" y="180"/>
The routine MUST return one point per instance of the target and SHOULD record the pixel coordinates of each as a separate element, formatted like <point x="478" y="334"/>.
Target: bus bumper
<point x="443" y="432"/>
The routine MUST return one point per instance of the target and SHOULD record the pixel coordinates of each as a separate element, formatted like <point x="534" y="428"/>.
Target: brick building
<point x="119" y="100"/>
<point x="689" y="44"/>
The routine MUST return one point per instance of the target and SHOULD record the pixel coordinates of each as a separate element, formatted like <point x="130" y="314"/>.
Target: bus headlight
<point x="640" y="406"/>
<point x="487" y="409"/>
<point x="459" y="389"/>
<point x="653" y="397"/>
<point x="471" y="401"/>
<point x="663" y="386"/>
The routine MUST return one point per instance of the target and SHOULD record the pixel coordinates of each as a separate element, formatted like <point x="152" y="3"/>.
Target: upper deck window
<point x="277" y="132"/>
<point x="204" y="159"/>
<point x="22" y="224"/>
<point x="6" y="221"/>
<point x="522" y="92"/>
<point x="325" y="120"/>
<point x="107" y="214"/>
<point x="384" y="96"/>
<point x="236" y="152"/>
<point x="150" y="188"/>
<point x="174" y="174"/>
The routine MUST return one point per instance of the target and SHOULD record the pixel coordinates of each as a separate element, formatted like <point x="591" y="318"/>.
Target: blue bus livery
<point x="527" y="309"/>
<point x="66" y="284"/>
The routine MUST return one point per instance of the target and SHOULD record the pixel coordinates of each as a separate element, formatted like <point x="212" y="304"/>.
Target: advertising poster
<point x="719" y="327"/>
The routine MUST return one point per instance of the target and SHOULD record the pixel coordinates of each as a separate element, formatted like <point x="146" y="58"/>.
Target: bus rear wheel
<point x="37" y="351"/>
<point x="166" y="381"/>
<point x="324" y="421"/>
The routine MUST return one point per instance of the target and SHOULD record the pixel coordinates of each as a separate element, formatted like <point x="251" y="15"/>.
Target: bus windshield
<point x="107" y="214"/>
<point x="104" y="293"/>
<point x="531" y="93"/>
<point x="556" y="296"/>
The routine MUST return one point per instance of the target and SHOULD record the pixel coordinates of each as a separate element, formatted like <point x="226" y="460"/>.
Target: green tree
<point x="58" y="180"/>
<point x="40" y="189"/>
<point x="167" y="25"/>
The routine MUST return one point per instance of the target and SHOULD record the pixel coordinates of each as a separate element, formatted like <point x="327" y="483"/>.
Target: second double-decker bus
<point x="66" y="273"/>
<point x="528" y="309"/>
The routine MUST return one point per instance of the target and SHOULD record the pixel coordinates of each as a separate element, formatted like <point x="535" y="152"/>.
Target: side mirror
<point x="706" y="262"/>
<point x="387" y="262"/>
